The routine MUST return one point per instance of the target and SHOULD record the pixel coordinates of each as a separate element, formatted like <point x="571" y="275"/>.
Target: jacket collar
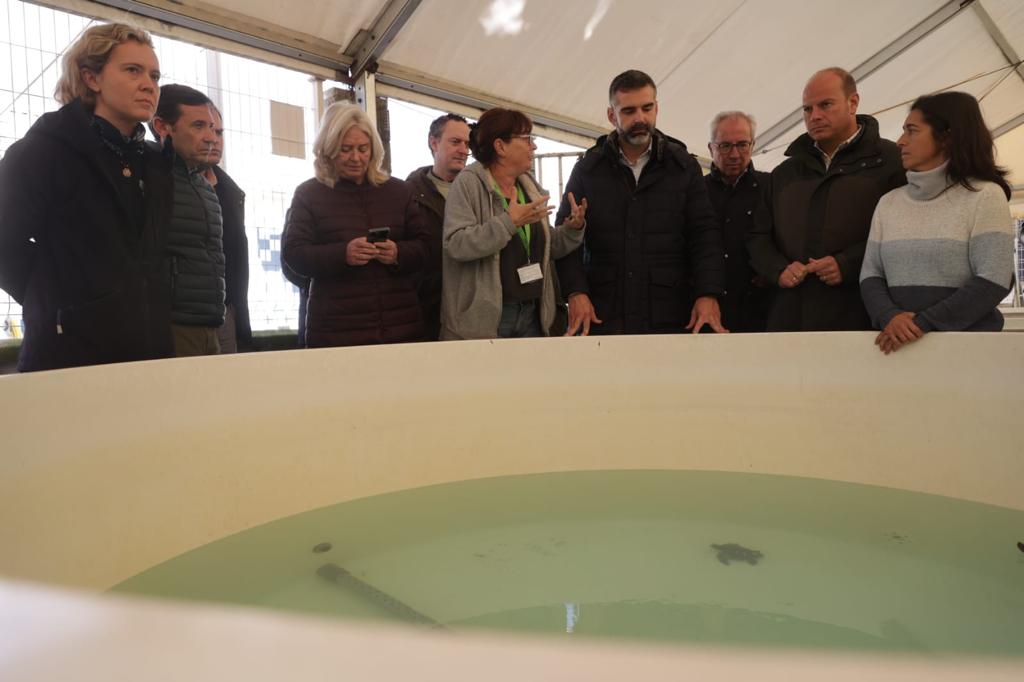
<point x="426" y="192"/>
<point x="72" y="125"/>
<point x="717" y="176"/>
<point x="421" y="178"/>
<point x="867" y="144"/>
<point x="530" y="186"/>
<point x="664" y="149"/>
<point x="226" y="182"/>
<point x="114" y="139"/>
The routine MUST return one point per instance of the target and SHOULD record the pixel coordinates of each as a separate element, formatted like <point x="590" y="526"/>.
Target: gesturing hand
<point x="577" y="214"/>
<point x="531" y="212"/>
<point x="581" y="312"/>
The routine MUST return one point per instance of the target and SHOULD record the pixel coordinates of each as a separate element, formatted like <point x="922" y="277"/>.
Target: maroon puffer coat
<point x="365" y="304"/>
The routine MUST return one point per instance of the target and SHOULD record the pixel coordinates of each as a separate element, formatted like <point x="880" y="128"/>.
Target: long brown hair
<point x="958" y="126"/>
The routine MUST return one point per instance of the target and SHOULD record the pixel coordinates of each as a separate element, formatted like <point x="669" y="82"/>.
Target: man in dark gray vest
<point x="185" y="125"/>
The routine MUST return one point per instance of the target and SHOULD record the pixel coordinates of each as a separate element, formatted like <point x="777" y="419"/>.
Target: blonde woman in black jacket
<point x="81" y="200"/>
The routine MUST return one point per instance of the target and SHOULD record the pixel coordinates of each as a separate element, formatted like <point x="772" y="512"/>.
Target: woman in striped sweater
<point x="940" y="253"/>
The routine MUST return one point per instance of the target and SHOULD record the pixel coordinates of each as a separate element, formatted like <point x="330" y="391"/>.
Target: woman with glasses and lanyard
<point x="498" y="245"/>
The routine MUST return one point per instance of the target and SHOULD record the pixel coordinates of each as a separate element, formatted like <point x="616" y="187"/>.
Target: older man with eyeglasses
<point x="734" y="187"/>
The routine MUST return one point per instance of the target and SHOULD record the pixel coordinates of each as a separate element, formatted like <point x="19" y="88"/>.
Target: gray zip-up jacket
<point x="476" y="229"/>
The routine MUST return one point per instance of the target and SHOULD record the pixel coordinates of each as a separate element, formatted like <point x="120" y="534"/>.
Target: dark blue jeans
<point x="519" y="320"/>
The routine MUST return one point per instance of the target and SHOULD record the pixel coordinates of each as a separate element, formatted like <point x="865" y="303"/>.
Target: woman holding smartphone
<point x="357" y="235"/>
<point x="940" y="253"/>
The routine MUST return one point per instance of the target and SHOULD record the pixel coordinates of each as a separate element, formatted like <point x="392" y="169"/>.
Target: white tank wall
<point x="107" y="471"/>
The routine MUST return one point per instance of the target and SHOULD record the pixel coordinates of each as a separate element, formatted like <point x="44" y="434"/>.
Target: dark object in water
<point x="734" y="552"/>
<point x="339" y="576"/>
<point x="1020" y="546"/>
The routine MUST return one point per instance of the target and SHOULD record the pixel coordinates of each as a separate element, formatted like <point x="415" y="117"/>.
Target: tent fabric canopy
<point x="557" y="58"/>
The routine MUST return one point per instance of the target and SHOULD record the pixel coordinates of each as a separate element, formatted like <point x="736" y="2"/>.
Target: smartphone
<point x="378" y="234"/>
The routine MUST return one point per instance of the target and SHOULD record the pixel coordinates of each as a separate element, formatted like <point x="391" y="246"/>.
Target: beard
<point x="638" y="136"/>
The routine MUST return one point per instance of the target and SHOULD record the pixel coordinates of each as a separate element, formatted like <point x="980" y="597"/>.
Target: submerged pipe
<point x="342" y="578"/>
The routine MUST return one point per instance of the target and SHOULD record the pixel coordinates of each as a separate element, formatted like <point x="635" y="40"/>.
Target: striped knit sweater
<point x="942" y="252"/>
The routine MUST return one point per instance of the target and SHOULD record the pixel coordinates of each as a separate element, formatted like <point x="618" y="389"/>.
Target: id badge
<point x="530" y="273"/>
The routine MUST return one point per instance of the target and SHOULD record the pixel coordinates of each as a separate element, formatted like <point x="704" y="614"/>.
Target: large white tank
<point x="107" y="471"/>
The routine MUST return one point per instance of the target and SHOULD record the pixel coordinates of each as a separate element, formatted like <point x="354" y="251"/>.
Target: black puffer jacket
<point x="88" y="278"/>
<point x="650" y="247"/>
<point x="808" y="211"/>
<point x="195" y="250"/>
<point x="355" y="305"/>
<point x="746" y="298"/>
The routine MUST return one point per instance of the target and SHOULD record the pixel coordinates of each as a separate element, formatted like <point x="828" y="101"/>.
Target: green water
<point x="629" y="554"/>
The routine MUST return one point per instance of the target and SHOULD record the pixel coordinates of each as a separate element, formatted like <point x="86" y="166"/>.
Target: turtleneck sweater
<point x="941" y="251"/>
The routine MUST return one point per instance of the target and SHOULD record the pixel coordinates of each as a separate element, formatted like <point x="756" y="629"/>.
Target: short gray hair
<point x="339" y="118"/>
<point x="726" y="115"/>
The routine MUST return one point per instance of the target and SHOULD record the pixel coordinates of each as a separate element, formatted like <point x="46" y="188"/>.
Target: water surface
<point x="659" y="555"/>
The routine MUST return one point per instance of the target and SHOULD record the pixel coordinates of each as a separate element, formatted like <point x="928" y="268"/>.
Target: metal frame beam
<point x="999" y="38"/>
<point x="365" y="89"/>
<point x="368" y="45"/>
<point x="876" y="61"/>
<point x="1012" y="124"/>
<point x="481" y="101"/>
<point x="576" y="132"/>
<point x="193" y="23"/>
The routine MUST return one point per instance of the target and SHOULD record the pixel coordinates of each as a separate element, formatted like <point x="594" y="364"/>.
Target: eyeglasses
<point x="530" y="139"/>
<point x="726" y="147"/>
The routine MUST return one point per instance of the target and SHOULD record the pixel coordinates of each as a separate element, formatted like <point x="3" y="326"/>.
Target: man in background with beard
<point x="652" y="260"/>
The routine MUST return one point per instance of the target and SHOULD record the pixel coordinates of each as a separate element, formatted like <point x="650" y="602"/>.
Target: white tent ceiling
<point x="554" y="58"/>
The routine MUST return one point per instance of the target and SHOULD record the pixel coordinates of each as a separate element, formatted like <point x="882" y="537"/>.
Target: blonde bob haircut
<point x="90" y="53"/>
<point x="339" y="118"/>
